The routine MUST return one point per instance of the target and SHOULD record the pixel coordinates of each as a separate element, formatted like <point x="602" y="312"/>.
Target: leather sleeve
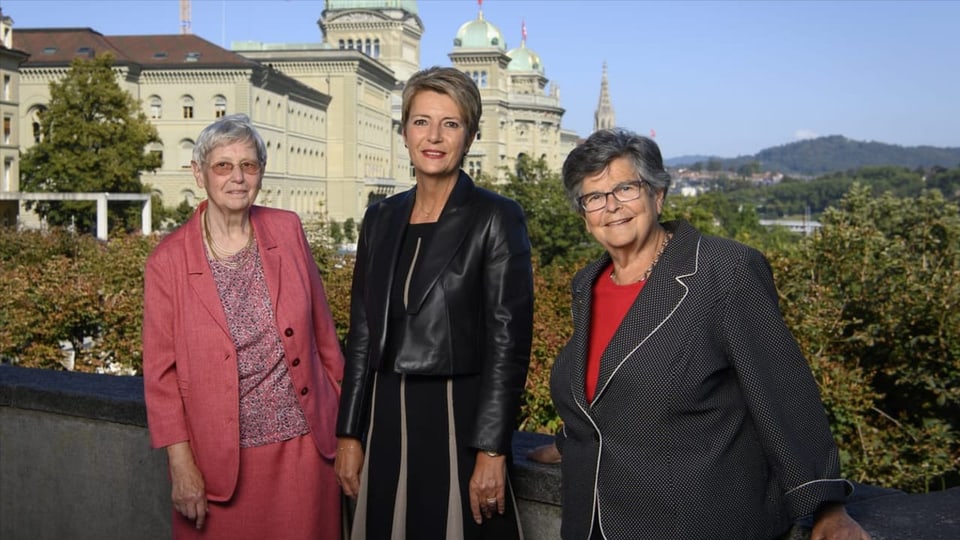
<point x="508" y="321"/>
<point x="356" y="371"/>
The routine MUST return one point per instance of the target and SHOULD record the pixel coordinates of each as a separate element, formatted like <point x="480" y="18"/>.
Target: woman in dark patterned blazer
<point x="689" y="411"/>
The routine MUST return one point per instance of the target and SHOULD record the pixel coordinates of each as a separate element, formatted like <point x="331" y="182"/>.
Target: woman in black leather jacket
<point x="439" y="343"/>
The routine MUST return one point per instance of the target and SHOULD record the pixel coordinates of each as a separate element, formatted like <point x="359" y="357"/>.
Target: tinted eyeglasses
<point x="622" y="192"/>
<point x="223" y="168"/>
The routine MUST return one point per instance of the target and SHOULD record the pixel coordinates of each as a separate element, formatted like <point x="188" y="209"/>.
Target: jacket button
<point x="288" y="332"/>
<point x="304" y="391"/>
<point x="296" y="362"/>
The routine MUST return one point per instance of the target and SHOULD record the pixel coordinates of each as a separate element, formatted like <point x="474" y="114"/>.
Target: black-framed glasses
<point x="622" y="192"/>
<point x="223" y="168"/>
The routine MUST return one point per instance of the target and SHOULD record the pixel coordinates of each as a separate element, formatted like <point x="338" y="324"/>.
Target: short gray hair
<point x="606" y="145"/>
<point x="226" y="130"/>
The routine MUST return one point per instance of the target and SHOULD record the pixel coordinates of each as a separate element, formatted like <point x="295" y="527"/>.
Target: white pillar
<point x="146" y="217"/>
<point x="102" y="216"/>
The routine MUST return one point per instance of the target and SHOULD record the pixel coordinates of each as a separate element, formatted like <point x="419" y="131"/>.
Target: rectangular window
<point x="188" y="111"/>
<point x="6" y="129"/>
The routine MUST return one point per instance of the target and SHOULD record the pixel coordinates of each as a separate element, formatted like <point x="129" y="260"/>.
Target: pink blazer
<point x="190" y="372"/>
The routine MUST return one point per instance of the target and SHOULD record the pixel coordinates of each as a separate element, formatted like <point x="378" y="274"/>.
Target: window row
<point x="187" y="104"/>
<point x="479" y="77"/>
<point x="369" y="47"/>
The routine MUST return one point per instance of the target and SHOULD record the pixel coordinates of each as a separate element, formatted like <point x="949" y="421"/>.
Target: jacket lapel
<point x="656" y="303"/>
<point x="270" y="256"/>
<point x="452" y="228"/>
<point x="199" y="277"/>
<point x="582" y="300"/>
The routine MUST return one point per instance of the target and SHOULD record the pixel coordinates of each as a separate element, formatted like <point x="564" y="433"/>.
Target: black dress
<point x="417" y="468"/>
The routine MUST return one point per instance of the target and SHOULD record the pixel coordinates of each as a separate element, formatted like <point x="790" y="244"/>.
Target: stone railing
<point x="76" y="463"/>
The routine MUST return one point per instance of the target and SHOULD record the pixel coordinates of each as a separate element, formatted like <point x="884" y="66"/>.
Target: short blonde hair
<point x="449" y="82"/>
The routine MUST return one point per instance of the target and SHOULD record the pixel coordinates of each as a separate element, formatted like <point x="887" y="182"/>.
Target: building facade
<point x="329" y="111"/>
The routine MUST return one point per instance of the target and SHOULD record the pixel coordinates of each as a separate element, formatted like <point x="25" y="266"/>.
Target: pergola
<point x="101" y="198"/>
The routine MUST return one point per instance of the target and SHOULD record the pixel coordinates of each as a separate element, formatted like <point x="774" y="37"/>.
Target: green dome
<point x="524" y="59"/>
<point x="478" y="33"/>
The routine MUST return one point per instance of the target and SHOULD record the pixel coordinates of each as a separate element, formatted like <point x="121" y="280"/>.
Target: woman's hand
<point x="189" y="494"/>
<point x="487" y="486"/>
<point x="833" y="523"/>
<point x="348" y="464"/>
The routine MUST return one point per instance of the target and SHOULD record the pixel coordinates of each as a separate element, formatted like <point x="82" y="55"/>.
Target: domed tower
<point x="388" y="30"/>
<point x="480" y="51"/>
<point x="535" y="114"/>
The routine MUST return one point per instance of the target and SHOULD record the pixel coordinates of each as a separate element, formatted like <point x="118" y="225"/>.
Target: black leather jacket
<point x="472" y="301"/>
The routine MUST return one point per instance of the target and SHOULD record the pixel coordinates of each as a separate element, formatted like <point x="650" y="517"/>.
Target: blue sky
<point x="710" y="77"/>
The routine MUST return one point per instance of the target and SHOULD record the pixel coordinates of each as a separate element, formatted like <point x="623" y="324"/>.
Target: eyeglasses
<point x="622" y="192"/>
<point x="224" y="168"/>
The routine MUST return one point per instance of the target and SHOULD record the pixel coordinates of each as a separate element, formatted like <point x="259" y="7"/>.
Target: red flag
<point x="523" y="28"/>
<point x="653" y="133"/>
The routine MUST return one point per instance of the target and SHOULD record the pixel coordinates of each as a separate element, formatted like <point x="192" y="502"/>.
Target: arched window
<point x="157" y="148"/>
<point x="156" y="107"/>
<point x="376" y="48"/>
<point x="186" y="103"/>
<point x="219" y="106"/>
<point x="483" y="79"/>
<point x="366" y="47"/>
<point x="35" y="114"/>
<point x="186" y="153"/>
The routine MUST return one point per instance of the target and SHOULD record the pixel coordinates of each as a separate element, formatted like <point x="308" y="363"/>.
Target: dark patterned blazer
<point x="706" y="422"/>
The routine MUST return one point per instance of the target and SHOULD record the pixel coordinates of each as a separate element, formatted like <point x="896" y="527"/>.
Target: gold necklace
<point x="656" y="259"/>
<point x="218" y="252"/>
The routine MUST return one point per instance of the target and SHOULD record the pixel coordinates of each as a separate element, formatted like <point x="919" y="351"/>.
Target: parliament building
<point x="329" y="111"/>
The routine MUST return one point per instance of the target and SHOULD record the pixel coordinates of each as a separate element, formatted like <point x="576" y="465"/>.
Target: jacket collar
<point x="660" y="297"/>
<point x="452" y="228"/>
<point x="198" y="268"/>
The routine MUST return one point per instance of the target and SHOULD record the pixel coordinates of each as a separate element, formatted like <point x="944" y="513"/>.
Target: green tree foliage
<point x="794" y="197"/>
<point x="93" y="139"/>
<point x="872" y="299"/>
<point x="557" y="232"/>
<point x="74" y="289"/>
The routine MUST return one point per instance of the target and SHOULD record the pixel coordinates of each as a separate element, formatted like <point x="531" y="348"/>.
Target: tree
<point x="872" y="300"/>
<point x="93" y="139"/>
<point x="557" y="232"/>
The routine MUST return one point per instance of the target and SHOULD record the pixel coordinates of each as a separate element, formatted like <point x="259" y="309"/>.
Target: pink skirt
<point x="285" y="491"/>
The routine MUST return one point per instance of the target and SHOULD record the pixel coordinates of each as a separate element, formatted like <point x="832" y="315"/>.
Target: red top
<point x="610" y="305"/>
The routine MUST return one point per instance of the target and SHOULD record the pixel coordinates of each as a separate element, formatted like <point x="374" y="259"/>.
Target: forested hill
<point x="835" y="153"/>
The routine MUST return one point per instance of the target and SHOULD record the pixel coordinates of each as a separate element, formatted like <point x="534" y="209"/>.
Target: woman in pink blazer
<point x="241" y="361"/>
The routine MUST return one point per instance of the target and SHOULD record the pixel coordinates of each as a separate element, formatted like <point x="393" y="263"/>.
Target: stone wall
<point x="76" y="463"/>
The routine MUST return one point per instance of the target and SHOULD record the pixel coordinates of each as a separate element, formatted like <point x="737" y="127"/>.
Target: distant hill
<point x="814" y="157"/>
<point x="685" y="160"/>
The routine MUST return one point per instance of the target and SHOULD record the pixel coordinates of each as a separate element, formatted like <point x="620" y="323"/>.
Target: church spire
<point x="604" y="117"/>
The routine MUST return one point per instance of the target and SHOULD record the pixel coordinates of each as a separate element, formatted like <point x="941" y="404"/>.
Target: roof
<point x="59" y="46"/>
<point x="524" y="59"/>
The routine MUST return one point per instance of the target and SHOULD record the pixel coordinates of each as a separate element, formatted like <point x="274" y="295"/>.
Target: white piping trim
<point x="805" y="484"/>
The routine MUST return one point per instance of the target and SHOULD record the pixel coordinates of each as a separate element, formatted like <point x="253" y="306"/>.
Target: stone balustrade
<point x="76" y="463"/>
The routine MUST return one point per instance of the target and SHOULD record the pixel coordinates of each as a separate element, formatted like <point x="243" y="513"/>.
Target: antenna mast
<point x="184" y="16"/>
